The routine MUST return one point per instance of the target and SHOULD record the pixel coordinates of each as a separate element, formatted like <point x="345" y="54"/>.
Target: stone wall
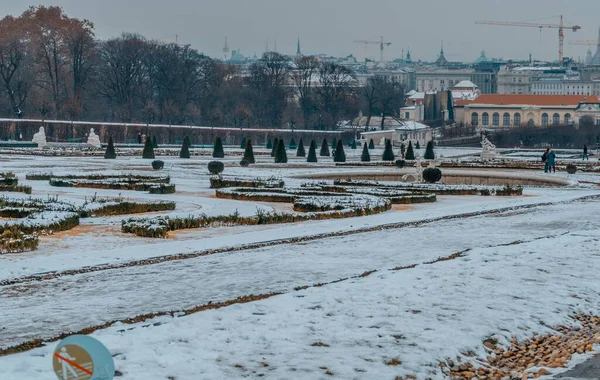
<point x="63" y="131"/>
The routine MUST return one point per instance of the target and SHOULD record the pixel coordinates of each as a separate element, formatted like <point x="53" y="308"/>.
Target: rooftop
<point x="535" y="100"/>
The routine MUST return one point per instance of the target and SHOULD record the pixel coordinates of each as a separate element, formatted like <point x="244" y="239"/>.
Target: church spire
<point x="298" y="51"/>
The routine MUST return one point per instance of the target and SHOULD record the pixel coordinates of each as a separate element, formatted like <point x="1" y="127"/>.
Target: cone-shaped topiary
<point x="243" y="145"/>
<point x="429" y="154"/>
<point x="324" y="149"/>
<point x="340" y="155"/>
<point x="249" y="152"/>
<point x="154" y="142"/>
<point x="280" y="153"/>
<point x="293" y="144"/>
<point x="410" y="154"/>
<point x="371" y="144"/>
<point x="417" y="145"/>
<point x="185" y="149"/>
<point x="312" y="152"/>
<point x="353" y="144"/>
<point x="388" y="153"/>
<point x="218" y="149"/>
<point x="110" y="149"/>
<point x="275" y="146"/>
<point x="301" y="152"/>
<point x="334" y="143"/>
<point x="365" y="157"/>
<point x="148" y="149"/>
<point x="269" y="144"/>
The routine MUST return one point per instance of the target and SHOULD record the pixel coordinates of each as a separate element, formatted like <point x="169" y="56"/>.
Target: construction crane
<point x="380" y="43"/>
<point x="561" y="27"/>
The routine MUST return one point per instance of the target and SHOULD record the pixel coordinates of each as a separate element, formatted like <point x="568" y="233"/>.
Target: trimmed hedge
<point x="270" y="183"/>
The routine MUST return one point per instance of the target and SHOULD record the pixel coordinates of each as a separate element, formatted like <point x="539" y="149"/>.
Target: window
<point x="568" y="118"/>
<point x="544" y="120"/>
<point x="556" y="119"/>
<point x="506" y="119"/>
<point x="496" y="119"/>
<point x="474" y="118"/>
<point x="485" y="119"/>
<point x="517" y="120"/>
<point x="407" y="115"/>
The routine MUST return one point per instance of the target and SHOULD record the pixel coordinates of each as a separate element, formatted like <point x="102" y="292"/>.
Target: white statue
<point x="488" y="150"/>
<point x="417" y="176"/>
<point x="93" y="139"/>
<point x="40" y="138"/>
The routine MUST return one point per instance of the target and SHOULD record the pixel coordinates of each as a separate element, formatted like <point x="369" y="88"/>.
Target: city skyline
<point x="331" y="27"/>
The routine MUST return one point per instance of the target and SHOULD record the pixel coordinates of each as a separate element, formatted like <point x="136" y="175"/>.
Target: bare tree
<point x="303" y="76"/>
<point x="369" y="94"/>
<point x="336" y="90"/>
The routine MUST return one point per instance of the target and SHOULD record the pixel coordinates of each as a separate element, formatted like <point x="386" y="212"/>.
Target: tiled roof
<point x="534" y="100"/>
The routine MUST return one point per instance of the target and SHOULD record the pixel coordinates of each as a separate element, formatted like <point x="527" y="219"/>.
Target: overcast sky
<point x="331" y="26"/>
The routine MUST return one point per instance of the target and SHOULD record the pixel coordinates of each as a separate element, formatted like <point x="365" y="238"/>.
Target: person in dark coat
<point x="551" y="161"/>
<point x="139" y="138"/>
<point x="585" y="153"/>
<point x="545" y="160"/>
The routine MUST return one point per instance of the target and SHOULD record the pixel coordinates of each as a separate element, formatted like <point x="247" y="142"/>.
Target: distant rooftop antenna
<point x="225" y="49"/>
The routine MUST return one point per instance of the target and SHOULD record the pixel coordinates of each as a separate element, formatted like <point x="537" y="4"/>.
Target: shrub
<point x="185" y="151"/>
<point x="371" y="144"/>
<point x="280" y="154"/>
<point x="275" y="146"/>
<point x="432" y="175"/>
<point x="410" y="154"/>
<point x="244" y="163"/>
<point x="334" y="143"/>
<point x="293" y="144"/>
<point x="154" y="142"/>
<point x="388" y="153"/>
<point x="148" y="149"/>
<point x="312" y="152"/>
<point x="324" y="149"/>
<point x="243" y="144"/>
<point x="340" y="155"/>
<point x="110" y="149"/>
<point x="353" y="144"/>
<point x="417" y="145"/>
<point x="218" y="149"/>
<point x="301" y="152"/>
<point x="429" y="154"/>
<point x="216" y="167"/>
<point x="571" y="169"/>
<point x="249" y="153"/>
<point x="400" y="164"/>
<point x="158" y="164"/>
<point x="365" y="157"/>
<point x="269" y="144"/>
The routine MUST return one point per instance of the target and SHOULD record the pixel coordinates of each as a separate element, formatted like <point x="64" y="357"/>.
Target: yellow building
<point x="503" y="111"/>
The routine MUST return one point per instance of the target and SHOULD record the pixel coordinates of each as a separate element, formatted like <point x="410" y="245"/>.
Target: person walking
<point x="585" y="153"/>
<point x="545" y="160"/>
<point x="551" y="161"/>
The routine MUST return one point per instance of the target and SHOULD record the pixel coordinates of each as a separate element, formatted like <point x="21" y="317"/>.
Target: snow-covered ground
<point x="524" y="271"/>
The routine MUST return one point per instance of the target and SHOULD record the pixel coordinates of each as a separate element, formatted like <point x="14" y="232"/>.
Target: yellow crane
<point x="561" y="28"/>
<point x="381" y="44"/>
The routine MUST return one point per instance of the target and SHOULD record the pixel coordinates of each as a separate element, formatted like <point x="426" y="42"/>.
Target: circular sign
<point x="80" y="357"/>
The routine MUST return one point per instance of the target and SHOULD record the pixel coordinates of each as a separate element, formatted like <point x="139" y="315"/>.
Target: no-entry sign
<point x="80" y="357"/>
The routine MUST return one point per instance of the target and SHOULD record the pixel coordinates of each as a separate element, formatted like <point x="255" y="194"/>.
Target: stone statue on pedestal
<point x="40" y="138"/>
<point x="93" y="139"/>
<point x="488" y="150"/>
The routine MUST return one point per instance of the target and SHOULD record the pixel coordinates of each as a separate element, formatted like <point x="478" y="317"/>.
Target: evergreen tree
<point x="185" y="148"/>
<point x="410" y="154"/>
<point x="218" y="149"/>
<point x="243" y="145"/>
<point x="301" y="152"/>
<point x="371" y="144"/>
<point x="388" y="153"/>
<point x="269" y="144"/>
<point x="353" y="144"/>
<point x="334" y="143"/>
<point x="417" y="145"/>
<point x="249" y="152"/>
<point x="340" y="155"/>
<point x="275" y="146"/>
<point x="110" y="149"/>
<point x="148" y="149"/>
<point x="324" y="149"/>
<point x="293" y="144"/>
<point x="154" y="142"/>
<point x="429" y="154"/>
<point x="365" y="157"/>
<point x="280" y="154"/>
<point x="312" y="152"/>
